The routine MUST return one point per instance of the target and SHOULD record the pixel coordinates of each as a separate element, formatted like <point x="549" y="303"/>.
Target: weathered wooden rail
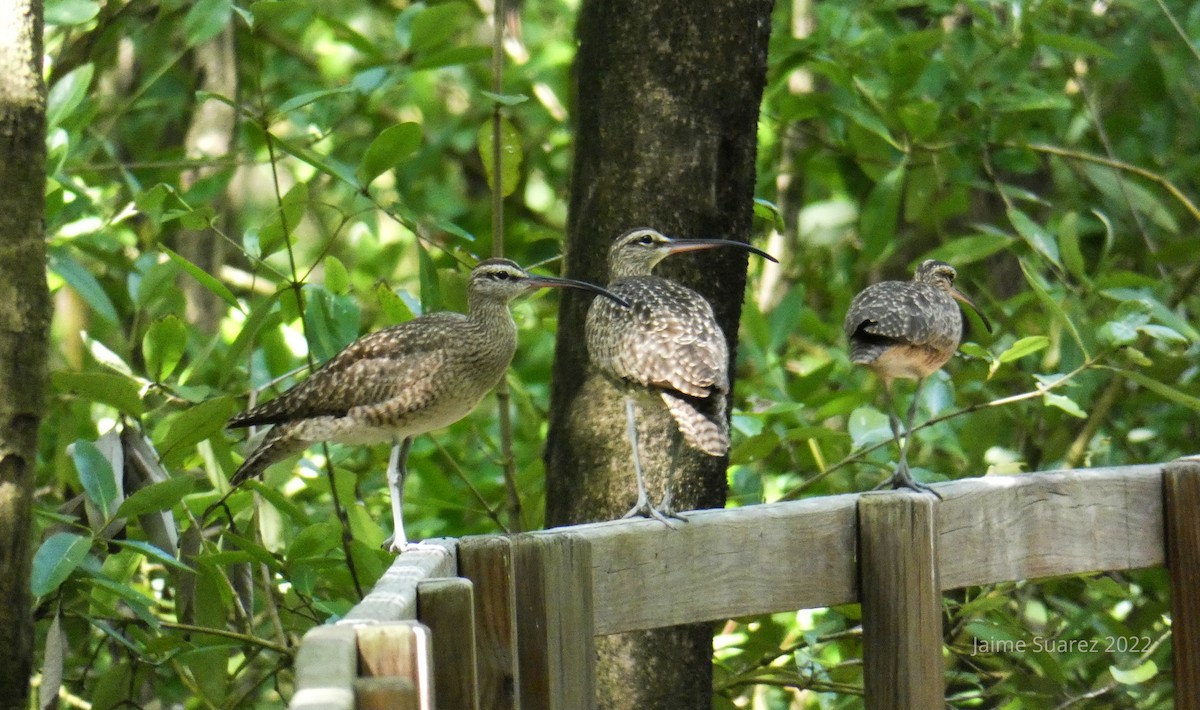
<point x="508" y="622"/>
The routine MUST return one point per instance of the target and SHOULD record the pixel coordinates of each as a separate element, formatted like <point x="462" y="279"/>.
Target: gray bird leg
<point x="396" y="473"/>
<point x="667" y="506"/>
<point x="642" y="507"/>
<point x="902" y="476"/>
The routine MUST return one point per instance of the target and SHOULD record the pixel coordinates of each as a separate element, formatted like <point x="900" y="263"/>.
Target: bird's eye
<point x="502" y="275"/>
<point x="646" y="240"/>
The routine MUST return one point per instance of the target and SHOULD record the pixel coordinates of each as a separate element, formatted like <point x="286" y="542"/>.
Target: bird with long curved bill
<point x="409" y="379"/>
<point x="908" y="330"/>
<point x="666" y="348"/>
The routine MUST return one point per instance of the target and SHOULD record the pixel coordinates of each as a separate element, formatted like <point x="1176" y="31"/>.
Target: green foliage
<point x="1047" y="151"/>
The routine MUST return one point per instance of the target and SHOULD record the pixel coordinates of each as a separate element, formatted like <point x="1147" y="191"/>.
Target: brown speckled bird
<point x="666" y="346"/>
<point x="396" y="383"/>
<point x="907" y="329"/>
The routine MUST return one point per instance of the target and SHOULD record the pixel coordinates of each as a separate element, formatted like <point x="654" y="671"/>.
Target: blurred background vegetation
<point x="238" y="190"/>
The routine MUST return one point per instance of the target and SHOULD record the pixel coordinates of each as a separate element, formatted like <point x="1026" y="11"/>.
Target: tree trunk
<point x="24" y="324"/>
<point x="668" y="97"/>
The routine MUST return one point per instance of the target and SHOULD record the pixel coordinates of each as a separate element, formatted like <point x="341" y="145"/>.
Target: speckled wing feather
<point x="397" y="363"/>
<point x="669" y="338"/>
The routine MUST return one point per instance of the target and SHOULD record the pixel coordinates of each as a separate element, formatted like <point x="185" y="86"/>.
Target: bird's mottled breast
<point x="669" y="337"/>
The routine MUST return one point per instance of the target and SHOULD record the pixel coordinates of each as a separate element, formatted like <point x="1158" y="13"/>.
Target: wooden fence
<point x="508" y="621"/>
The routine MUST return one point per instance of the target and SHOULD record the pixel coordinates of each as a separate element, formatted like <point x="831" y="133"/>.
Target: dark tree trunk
<point x="666" y="117"/>
<point x="24" y="324"/>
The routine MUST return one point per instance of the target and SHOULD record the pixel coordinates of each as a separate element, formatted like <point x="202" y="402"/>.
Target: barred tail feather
<point x="279" y="443"/>
<point x="708" y="435"/>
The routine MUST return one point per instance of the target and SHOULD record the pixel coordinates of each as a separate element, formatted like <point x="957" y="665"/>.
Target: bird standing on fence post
<point x="666" y="347"/>
<point x="396" y="383"/>
<point x="908" y="329"/>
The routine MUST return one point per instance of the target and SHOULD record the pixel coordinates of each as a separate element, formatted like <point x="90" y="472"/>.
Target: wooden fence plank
<point x="1181" y="493"/>
<point x="555" y="634"/>
<point x="901" y="601"/>
<point x="326" y="667"/>
<point x="396" y="651"/>
<point x="1050" y="524"/>
<point x="394" y="596"/>
<point x="386" y="694"/>
<point x="646" y="575"/>
<point x="447" y="606"/>
<point x="487" y="562"/>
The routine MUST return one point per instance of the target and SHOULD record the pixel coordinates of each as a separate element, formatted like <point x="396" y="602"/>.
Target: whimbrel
<point x="907" y="329"/>
<point x="396" y="383"/>
<point x="667" y="346"/>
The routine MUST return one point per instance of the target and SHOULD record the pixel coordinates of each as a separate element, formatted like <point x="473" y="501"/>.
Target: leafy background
<point x="1047" y="149"/>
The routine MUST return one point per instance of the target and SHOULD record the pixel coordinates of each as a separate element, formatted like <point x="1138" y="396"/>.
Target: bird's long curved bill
<point x="962" y="298"/>
<point x="557" y="282"/>
<point x="682" y="245"/>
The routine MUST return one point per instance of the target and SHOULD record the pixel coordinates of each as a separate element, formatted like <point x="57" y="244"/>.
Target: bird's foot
<point x="403" y="546"/>
<point x="902" y="478"/>
<point x="643" y="509"/>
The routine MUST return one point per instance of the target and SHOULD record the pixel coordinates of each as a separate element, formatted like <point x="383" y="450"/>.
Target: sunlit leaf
<point x="1023" y="347"/>
<point x="157" y="496"/>
<point x="96" y="475"/>
<point x="71" y="12"/>
<point x="510" y="155"/>
<point x="196" y="424"/>
<point x="67" y="94"/>
<point x="1133" y="676"/>
<point x="1068" y="405"/>
<point x="84" y="283"/>
<point x="868" y="426"/>
<point x="389" y="149"/>
<point x="152" y="553"/>
<point x="206" y="280"/>
<point x="56" y="559"/>
<point x="205" y="18"/>
<point x="113" y="389"/>
<point x="163" y="346"/>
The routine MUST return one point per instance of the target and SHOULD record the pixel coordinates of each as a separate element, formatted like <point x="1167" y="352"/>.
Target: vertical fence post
<point x="446" y="606"/>
<point x="901" y="601"/>
<point x="555" y="626"/>
<point x="487" y="562"/>
<point x="394" y="666"/>
<point x="1181" y="513"/>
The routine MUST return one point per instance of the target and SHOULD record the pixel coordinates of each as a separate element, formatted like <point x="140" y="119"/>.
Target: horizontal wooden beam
<point x="760" y="559"/>
<point x="394" y="596"/>
<point x="721" y="563"/>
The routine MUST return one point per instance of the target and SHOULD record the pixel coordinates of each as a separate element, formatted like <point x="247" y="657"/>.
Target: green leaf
<point x="393" y="307"/>
<point x="163" y="346"/>
<point x="84" y="283"/>
<point x="1133" y="676"/>
<point x="1064" y="403"/>
<point x="324" y="164"/>
<point x="331" y="322"/>
<point x="96" y="475"/>
<point x="389" y="149"/>
<point x="510" y="155"/>
<point x="196" y="424"/>
<point x="282" y="225"/>
<point x="435" y="25"/>
<point x="453" y="56"/>
<point x="205" y="19"/>
<point x="506" y="99"/>
<point x="259" y="315"/>
<point x="206" y="279"/>
<point x="71" y="12"/>
<point x="113" y="389"/>
<point x="1024" y="347"/>
<point x="880" y="212"/>
<point x="968" y="250"/>
<point x="1168" y="392"/>
<point x="307" y="98"/>
<point x="56" y="559"/>
<point x="156" y="496"/>
<point x="1051" y="304"/>
<point x="153" y="553"/>
<point x="337" y="279"/>
<point x="314" y="541"/>
<point x="67" y="94"/>
<point x="1035" y="235"/>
